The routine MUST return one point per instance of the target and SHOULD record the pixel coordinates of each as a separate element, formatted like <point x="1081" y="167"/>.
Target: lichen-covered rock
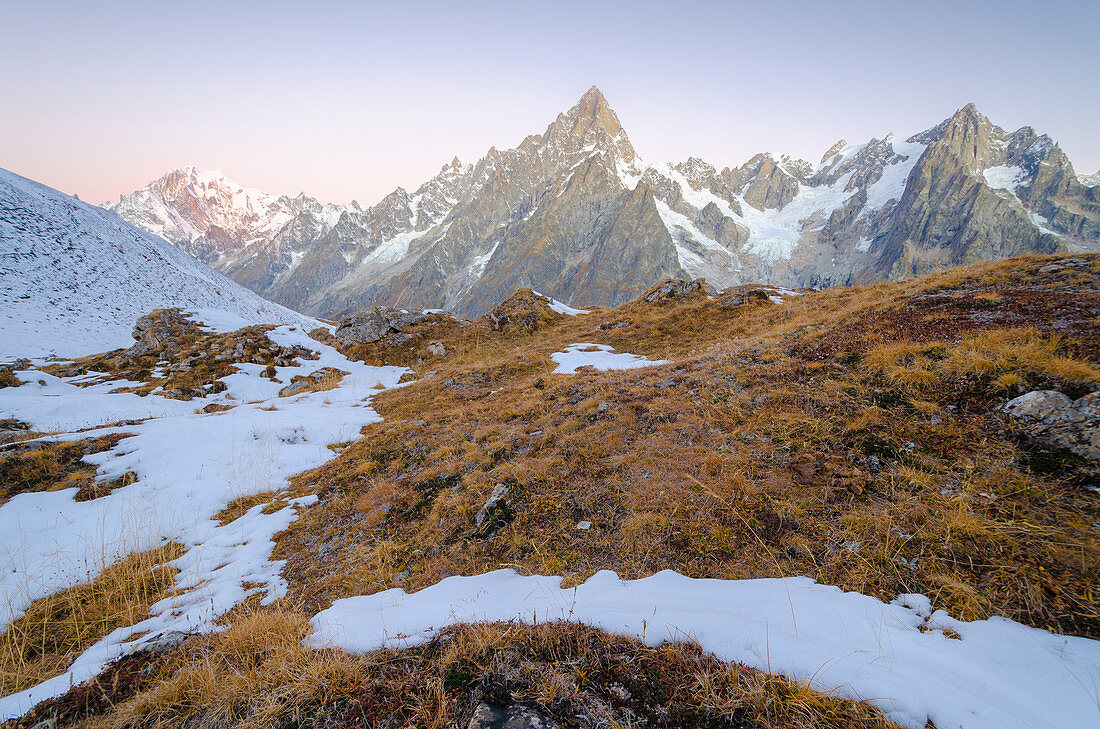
<point x="522" y="311"/>
<point x="670" y="289"/>
<point x="495" y="512"/>
<point x="372" y="326"/>
<point x="1052" y="420"/>
<point x="515" y="716"/>
<point x="162" y="330"/>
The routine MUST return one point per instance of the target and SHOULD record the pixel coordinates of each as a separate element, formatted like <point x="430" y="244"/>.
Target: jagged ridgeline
<point x="575" y="213"/>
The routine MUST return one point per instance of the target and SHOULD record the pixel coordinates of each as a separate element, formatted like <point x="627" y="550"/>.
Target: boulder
<point x="162" y="330"/>
<point x="522" y="311"/>
<point x="367" y="327"/>
<point x="515" y="716"/>
<point x="1052" y="420"/>
<point x="671" y="289"/>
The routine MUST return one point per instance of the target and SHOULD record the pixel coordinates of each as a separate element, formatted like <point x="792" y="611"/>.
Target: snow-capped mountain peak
<point x="74" y="277"/>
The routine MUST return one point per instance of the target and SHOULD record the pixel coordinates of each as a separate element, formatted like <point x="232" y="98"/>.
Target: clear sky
<point x="351" y="99"/>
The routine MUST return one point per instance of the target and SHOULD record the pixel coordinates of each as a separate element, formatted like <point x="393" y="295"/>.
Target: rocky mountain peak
<point x="698" y="172"/>
<point x="831" y="151"/>
<point x="591" y="122"/>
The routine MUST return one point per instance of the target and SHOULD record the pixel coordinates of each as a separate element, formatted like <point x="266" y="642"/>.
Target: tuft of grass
<point x="49" y="466"/>
<point x="55" y="630"/>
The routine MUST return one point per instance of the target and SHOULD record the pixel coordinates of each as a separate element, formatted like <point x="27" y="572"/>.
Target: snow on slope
<point x="74" y="277"/>
<point x="996" y="675"/>
<point x="189" y="466"/>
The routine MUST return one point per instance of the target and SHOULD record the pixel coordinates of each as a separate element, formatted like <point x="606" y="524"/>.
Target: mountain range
<point x="576" y="213"/>
<point x="74" y="278"/>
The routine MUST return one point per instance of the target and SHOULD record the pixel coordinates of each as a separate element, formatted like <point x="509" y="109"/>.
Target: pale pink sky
<point x="347" y="100"/>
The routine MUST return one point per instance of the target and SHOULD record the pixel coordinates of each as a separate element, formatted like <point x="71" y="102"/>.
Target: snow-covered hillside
<point x="74" y="278"/>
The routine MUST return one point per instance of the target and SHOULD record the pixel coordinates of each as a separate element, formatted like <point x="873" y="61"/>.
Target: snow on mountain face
<point x="576" y="212"/>
<point x="74" y="278"/>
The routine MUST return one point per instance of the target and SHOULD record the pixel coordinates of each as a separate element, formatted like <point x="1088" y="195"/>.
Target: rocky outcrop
<point x="1052" y="420"/>
<point x="162" y="331"/>
<point x="522" y="311"/>
<point x="367" y="327"/>
<point x="670" y="290"/>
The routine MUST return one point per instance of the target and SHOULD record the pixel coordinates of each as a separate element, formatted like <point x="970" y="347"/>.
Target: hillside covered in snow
<point x="74" y="278"/>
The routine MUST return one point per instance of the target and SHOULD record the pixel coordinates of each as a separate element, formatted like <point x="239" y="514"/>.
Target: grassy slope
<point x="850" y="435"/>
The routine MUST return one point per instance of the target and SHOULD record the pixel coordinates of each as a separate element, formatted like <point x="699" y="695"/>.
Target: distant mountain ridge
<point x="74" y="278"/>
<point x="576" y="213"/>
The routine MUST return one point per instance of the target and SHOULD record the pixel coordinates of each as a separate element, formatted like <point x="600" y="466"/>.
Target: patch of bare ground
<point x="30" y="466"/>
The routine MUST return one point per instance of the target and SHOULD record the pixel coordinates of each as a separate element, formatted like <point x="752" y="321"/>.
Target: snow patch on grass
<point x="600" y="356"/>
<point x="190" y="466"/>
<point x="997" y="675"/>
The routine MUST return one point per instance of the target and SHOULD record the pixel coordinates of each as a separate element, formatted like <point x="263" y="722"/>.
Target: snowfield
<point x="997" y="675"/>
<point x="190" y="465"/>
<point x="74" y="277"/>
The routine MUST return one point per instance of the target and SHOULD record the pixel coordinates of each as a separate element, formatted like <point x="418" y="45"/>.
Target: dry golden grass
<point x="257" y="674"/>
<point x="55" y="630"/>
<point x="850" y="435"/>
<point x="51" y="466"/>
<point x="1012" y="358"/>
<point x="783" y="440"/>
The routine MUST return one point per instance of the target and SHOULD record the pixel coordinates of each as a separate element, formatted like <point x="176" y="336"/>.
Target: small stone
<point x="584" y="525"/>
<point x="495" y="506"/>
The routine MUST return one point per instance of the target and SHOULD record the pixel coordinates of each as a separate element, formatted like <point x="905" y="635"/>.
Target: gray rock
<point x="161" y="643"/>
<point x="1052" y="420"/>
<point x="371" y="326"/>
<point x="295" y="387"/>
<point x="496" y="505"/>
<point x="436" y="349"/>
<point x="515" y="716"/>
